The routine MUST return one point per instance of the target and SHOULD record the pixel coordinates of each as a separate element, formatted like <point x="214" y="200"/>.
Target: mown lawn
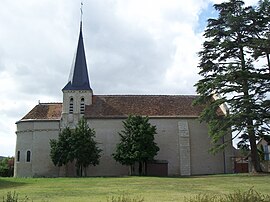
<point x="150" y="188"/>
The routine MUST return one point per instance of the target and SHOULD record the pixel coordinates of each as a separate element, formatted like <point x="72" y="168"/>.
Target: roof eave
<point x="38" y="120"/>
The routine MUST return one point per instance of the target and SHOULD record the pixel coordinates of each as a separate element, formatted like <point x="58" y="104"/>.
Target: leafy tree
<point x="78" y="145"/>
<point x="61" y="150"/>
<point x="227" y="67"/>
<point x="84" y="147"/>
<point x="136" y="143"/>
<point x="7" y="167"/>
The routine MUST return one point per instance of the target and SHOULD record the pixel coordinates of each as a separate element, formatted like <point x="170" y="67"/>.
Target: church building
<point x="182" y="139"/>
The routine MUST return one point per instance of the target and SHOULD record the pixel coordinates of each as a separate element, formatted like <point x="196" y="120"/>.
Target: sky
<point x="132" y="47"/>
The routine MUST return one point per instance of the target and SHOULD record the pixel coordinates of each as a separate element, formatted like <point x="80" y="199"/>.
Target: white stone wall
<point x="190" y="159"/>
<point x="35" y="136"/>
<point x="184" y="143"/>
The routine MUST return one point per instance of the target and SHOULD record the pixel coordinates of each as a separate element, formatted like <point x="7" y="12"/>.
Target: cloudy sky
<point x="132" y="47"/>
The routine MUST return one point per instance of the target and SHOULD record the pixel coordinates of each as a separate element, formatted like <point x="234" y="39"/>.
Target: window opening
<point x="18" y="155"/>
<point x="82" y="108"/>
<point x="28" y="156"/>
<point x="71" y="106"/>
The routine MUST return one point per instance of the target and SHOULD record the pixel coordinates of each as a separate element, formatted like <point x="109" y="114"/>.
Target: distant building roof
<point x="78" y="78"/>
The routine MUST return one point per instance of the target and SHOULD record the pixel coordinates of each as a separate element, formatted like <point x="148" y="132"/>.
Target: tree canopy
<point x="136" y="142"/>
<point x="7" y="167"/>
<point x="78" y="145"/>
<point x="234" y="42"/>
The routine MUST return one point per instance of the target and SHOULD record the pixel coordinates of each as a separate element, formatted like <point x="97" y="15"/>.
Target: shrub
<point x="124" y="198"/>
<point x="7" y="167"/>
<point x="247" y="196"/>
<point x="13" y="197"/>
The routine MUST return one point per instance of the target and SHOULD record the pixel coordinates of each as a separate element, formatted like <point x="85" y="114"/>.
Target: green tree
<point x="76" y="145"/>
<point x="227" y="69"/>
<point x="7" y="167"/>
<point x="84" y="147"/>
<point x="136" y="143"/>
<point x="61" y="150"/>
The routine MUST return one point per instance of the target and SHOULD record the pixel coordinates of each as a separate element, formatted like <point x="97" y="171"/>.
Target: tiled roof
<point x="108" y="106"/>
<point x="50" y="111"/>
<point x="119" y="106"/>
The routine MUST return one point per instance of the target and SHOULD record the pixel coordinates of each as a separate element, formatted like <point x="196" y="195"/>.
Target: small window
<point x="71" y="106"/>
<point x="18" y="156"/>
<point x="82" y="108"/>
<point x="28" y="156"/>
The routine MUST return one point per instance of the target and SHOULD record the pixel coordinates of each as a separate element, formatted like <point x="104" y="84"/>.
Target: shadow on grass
<point x="7" y="183"/>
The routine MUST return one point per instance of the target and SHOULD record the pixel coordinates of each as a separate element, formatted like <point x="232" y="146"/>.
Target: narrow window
<point x="28" y="156"/>
<point x="71" y="106"/>
<point x="18" y="156"/>
<point x="82" y="106"/>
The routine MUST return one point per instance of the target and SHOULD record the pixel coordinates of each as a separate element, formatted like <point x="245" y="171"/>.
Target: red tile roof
<point x="50" y="111"/>
<point x="119" y="106"/>
<point x="109" y="106"/>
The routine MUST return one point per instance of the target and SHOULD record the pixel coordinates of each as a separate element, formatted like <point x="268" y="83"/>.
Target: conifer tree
<point x="227" y="69"/>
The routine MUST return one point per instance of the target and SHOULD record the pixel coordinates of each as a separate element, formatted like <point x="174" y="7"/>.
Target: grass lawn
<point x="150" y="188"/>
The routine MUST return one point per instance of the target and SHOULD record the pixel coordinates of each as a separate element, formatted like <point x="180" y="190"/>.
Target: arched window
<point x="82" y="108"/>
<point x="71" y="106"/>
<point x="28" y="156"/>
<point x="18" y="156"/>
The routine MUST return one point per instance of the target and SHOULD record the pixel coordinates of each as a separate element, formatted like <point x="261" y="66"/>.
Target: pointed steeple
<point x="78" y="78"/>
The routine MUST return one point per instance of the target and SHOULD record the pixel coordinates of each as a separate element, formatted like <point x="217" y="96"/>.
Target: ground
<point x="150" y="188"/>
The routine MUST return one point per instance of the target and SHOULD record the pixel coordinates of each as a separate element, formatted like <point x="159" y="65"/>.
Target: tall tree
<point x="136" y="143"/>
<point x="261" y="50"/>
<point x="84" y="147"/>
<point x="78" y="145"/>
<point x="61" y="152"/>
<point x="227" y="67"/>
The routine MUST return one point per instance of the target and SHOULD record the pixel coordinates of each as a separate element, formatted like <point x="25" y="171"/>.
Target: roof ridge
<point x="48" y="103"/>
<point x="133" y="95"/>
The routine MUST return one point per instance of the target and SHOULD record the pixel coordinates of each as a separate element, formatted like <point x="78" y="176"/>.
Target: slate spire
<point x="78" y="78"/>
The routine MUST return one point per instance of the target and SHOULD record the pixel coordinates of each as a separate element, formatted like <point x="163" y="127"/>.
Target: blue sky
<point x="132" y="47"/>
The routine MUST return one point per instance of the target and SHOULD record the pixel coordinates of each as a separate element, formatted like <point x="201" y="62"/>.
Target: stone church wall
<point x="34" y="136"/>
<point x="183" y="142"/>
<point x="188" y="156"/>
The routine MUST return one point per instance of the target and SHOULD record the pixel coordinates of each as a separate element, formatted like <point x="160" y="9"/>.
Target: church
<point x="182" y="139"/>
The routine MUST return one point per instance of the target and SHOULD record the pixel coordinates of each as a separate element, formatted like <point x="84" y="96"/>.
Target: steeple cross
<point x="81" y="10"/>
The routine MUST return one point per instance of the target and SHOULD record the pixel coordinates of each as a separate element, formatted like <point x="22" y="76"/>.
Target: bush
<point x="247" y="196"/>
<point x="13" y="197"/>
<point x="125" y="199"/>
<point x="7" y="167"/>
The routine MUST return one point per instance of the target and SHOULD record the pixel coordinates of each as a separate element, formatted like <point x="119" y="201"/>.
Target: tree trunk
<point x="268" y="61"/>
<point x="140" y="168"/>
<point x="256" y="167"/>
<point x="85" y="171"/>
<point x="250" y="126"/>
<point x="66" y="170"/>
<point x="145" y="168"/>
<point x="131" y="169"/>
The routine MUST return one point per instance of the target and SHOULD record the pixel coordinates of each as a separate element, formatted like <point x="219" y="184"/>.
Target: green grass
<point x="150" y="188"/>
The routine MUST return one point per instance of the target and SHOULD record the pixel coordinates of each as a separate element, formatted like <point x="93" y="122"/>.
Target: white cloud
<point x="132" y="47"/>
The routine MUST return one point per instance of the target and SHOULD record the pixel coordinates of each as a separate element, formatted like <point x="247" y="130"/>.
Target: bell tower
<point x="77" y="93"/>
